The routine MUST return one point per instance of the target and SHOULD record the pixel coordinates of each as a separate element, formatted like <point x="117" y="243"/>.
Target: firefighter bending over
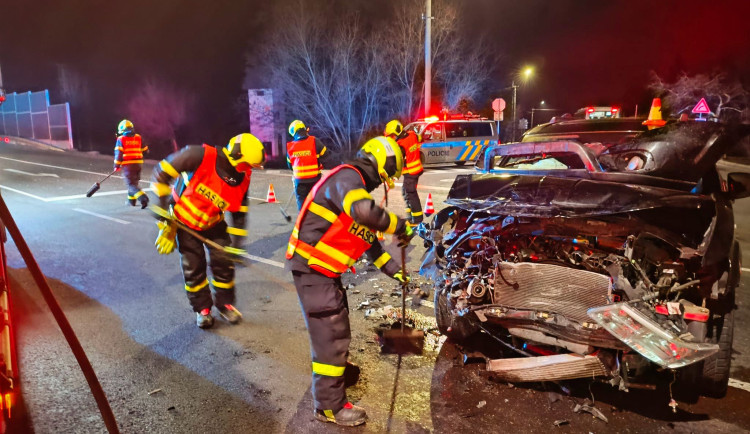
<point x="129" y="151"/>
<point x="411" y="146"/>
<point x="304" y="156"/>
<point x="335" y="227"/>
<point x="208" y="182"/>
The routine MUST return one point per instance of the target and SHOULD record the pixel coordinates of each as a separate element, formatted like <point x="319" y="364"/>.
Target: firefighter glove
<point x="401" y="278"/>
<point x="165" y="241"/>
<point x="405" y="237"/>
<point x="116" y="167"/>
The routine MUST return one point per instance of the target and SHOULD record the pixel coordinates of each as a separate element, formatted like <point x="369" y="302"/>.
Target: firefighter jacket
<point x="206" y="186"/>
<point x="411" y="144"/>
<point x="303" y="156"/>
<point x="129" y="149"/>
<point x="337" y="224"/>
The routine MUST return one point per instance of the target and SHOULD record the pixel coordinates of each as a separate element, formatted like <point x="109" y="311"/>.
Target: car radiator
<point x="550" y="288"/>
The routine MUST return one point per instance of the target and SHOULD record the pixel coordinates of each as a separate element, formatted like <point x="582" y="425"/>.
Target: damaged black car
<point x="612" y="265"/>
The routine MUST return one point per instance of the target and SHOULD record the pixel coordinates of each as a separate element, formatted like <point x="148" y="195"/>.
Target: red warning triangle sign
<point x="702" y="107"/>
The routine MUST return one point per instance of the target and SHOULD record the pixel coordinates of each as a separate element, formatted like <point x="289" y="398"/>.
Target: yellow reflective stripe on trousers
<point x="327" y="370"/>
<point x="385" y="257"/>
<point x="243" y="209"/>
<point x="236" y="231"/>
<point x="417" y="214"/>
<point x="392" y="226"/>
<point x="354" y="196"/>
<point x="160" y="189"/>
<point x="222" y="285"/>
<point x="168" y="169"/>
<point x="323" y="212"/>
<point x="197" y="287"/>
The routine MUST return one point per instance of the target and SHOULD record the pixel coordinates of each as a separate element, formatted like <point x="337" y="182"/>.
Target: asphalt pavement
<point x="164" y="375"/>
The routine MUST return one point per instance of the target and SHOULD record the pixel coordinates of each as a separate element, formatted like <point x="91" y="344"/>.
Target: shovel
<point x="97" y="185"/>
<point x="405" y="340"/>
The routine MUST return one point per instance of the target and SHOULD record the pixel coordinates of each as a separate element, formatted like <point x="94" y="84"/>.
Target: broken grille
<point x="550" y="288"/>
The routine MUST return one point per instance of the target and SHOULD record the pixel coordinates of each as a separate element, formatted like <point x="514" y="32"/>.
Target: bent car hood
<point x="547" y="196"/>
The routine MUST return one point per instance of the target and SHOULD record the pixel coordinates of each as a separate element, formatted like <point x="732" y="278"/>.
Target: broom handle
<point x="403" y="288"/>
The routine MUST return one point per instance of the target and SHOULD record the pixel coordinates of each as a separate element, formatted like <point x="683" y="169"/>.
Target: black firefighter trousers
<point x="193" y="256"/>
<point x="132" y="175"/>
<point x="326" y="312"/>
<point x="413" y="205"/>
<point x="303" y="187"/>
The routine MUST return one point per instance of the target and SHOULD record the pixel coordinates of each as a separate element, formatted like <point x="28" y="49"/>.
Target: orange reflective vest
<point x="413" y="149"/>
<point x="131" y="148"/>
<point x="206" y="196"/>
<point x="342" y="243"/>
<point x="303" y="158"/>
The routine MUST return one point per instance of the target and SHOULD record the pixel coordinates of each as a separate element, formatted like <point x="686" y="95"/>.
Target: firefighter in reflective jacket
<point x="411" y="146"/>
<point x="304" y="156"/>
<point x="129" y="151"/>
<point x="335" y="227"/>
<point x="209" y="182"/>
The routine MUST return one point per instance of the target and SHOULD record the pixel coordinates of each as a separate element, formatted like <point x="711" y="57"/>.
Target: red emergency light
<point x="615" y="110"/>
<point x="431" y="119"/>
<point x="6" y="140"/>
<point x="589" y="110"/>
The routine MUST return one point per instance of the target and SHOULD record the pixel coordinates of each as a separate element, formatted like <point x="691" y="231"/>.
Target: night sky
<point x="585" y="52"/>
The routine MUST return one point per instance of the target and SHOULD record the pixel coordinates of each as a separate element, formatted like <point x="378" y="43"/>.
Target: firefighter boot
<point x="349" y="415"/>
<point x="143" y="199"/>
<point x="204" y="319"/>
<point x="131" y="200"/>
<point x="230" y="313"/>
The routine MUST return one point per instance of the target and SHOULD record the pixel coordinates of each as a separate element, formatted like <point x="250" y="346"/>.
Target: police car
<point x="454" y="139"/>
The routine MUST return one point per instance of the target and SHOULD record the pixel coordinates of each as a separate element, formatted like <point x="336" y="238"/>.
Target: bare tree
<point x="328" y="70"/>
<point x="462" y="65"/>
<point x="722" y="93"/>
<point x="158" y="109"/>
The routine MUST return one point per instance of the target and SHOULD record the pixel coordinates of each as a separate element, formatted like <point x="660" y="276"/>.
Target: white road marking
<point x="23" y="193"/>
<point x="122" y="222"/>
<point x="265" y="261"/>
<point x="52" y="175"/>
<point x="448" y="180"/>
<point x="81" y="196"/>
<point x="737" y="384"/>
<point x="745" y="270"/>
<point x="66" y="168"/>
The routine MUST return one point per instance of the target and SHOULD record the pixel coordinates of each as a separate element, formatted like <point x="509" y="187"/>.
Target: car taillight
<point x="648" y="338"/>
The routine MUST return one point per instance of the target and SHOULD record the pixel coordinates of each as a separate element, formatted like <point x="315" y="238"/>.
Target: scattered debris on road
<point x="154" y="391"/>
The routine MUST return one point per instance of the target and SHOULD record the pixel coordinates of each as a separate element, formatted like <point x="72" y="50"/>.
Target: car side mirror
<point x="738" y="185"/>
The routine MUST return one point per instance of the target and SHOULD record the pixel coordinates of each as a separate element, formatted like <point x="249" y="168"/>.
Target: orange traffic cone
<point x="429" y="207"/>
<point x="654" y="116"/>
<point x="271" y="196"/>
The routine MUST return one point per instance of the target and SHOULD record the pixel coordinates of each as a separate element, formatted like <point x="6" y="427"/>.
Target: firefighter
<point x="304" y="156"/>
<point x="208" y="183"/>
<point x="335" y="226"/>
<point x="411" y="145"/>
<point x="129" y="151"/>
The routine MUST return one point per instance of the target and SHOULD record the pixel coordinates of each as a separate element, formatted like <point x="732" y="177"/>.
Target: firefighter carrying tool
<point x="129" y="151"/>
<point x="208" y="183"/>
<point x="335" y="226"/>
<point x="411" y="146"/>
<point x="304" y="155"/>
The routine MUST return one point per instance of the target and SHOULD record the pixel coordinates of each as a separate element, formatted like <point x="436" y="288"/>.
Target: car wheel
<point x="715" y="377"/>
<point x="460" y="163"/>
<point x="458" y="328"/>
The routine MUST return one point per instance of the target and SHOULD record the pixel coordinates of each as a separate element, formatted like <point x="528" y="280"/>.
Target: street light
<point x="525" y="75"/>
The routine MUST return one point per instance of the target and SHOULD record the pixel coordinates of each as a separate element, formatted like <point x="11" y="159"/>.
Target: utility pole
<point x="514" y="86"/>
<point x="427" y="58"/>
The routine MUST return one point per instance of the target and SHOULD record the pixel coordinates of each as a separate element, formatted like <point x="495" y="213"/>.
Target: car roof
<point x="574" y="126"/>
